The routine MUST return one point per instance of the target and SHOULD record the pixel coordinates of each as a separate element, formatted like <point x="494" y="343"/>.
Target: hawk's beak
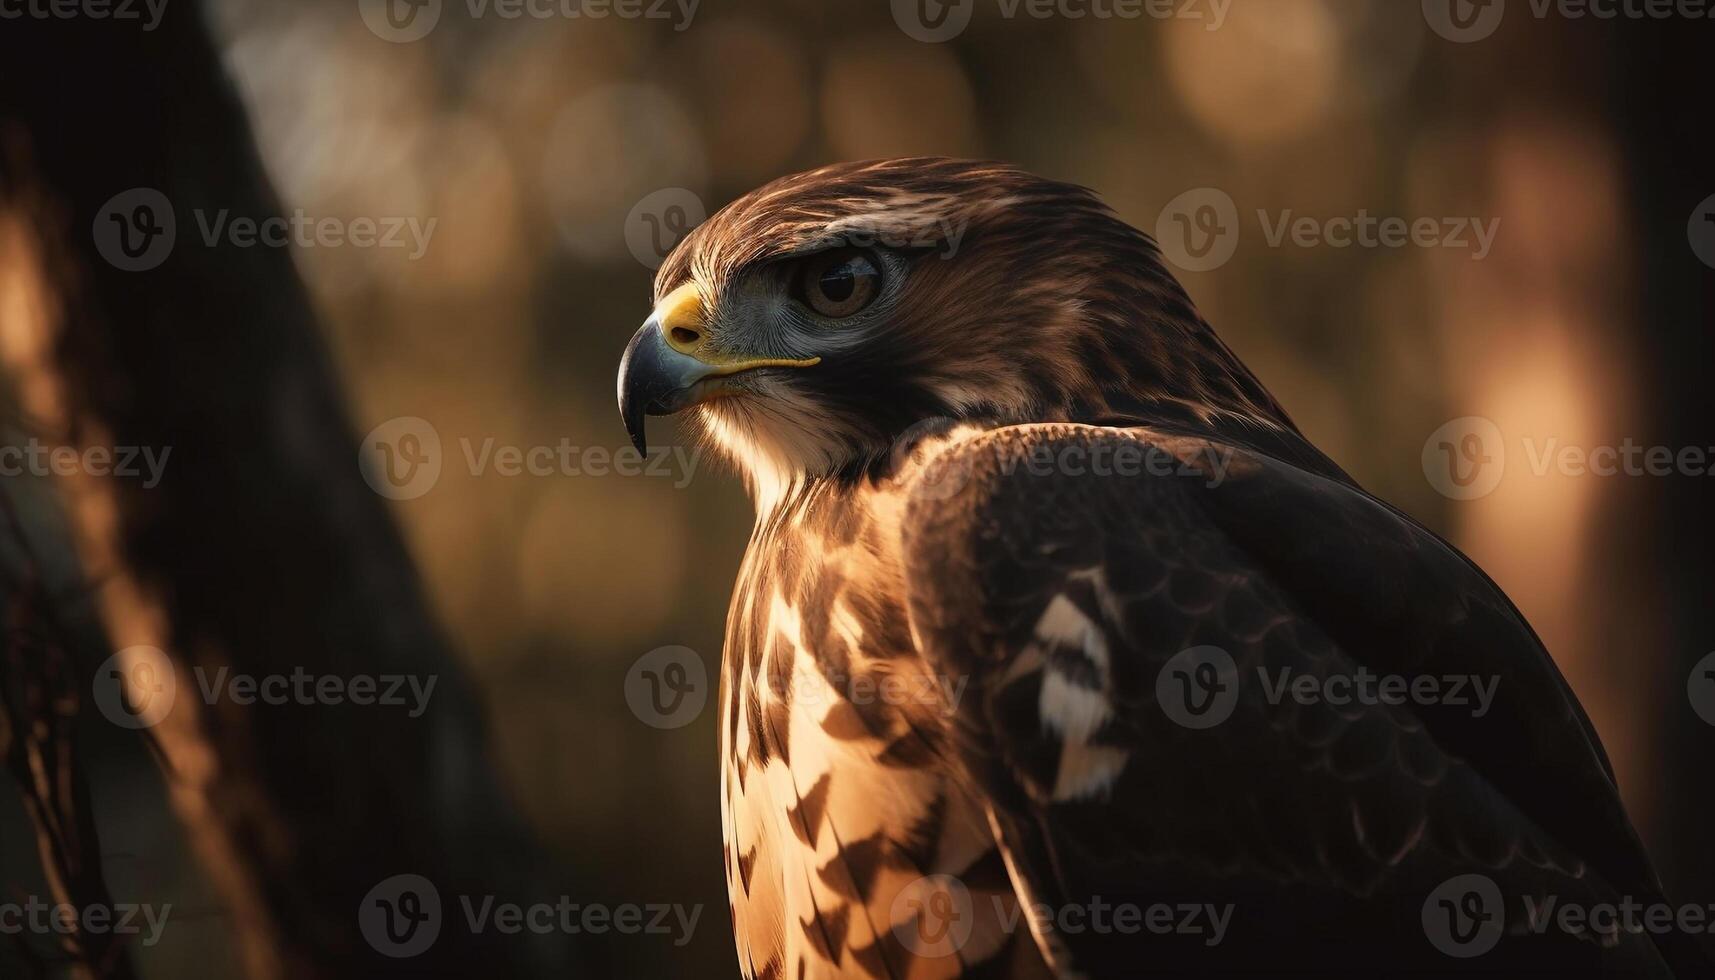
<point x="671" y="365"/>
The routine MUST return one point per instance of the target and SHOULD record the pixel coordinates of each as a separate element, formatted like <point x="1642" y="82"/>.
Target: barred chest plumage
<point x="836" y="797"/>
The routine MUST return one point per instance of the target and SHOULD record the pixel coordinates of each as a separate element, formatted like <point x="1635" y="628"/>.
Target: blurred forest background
<point x="532" y="141"/>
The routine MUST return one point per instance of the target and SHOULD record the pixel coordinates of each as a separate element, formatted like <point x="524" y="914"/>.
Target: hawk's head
<point x="817" y="318"/>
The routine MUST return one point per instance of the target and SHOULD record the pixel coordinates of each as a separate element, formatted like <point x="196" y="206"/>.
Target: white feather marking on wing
<point x="1087" y="770"/>
<point x="1075" y="712"/>
<point x="1064" y="623"/>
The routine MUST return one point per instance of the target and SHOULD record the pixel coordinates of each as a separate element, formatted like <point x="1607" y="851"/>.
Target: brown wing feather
<point x="1325" y="827"/>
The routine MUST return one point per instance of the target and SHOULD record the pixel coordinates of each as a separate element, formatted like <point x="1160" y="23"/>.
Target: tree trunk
<point x="262" y="551"/>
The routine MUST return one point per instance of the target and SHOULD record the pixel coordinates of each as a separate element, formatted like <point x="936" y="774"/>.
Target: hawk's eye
<point x="840" y="283"/>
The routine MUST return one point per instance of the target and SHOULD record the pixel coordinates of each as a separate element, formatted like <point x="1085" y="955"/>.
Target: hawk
<point x="1023" y="523"/>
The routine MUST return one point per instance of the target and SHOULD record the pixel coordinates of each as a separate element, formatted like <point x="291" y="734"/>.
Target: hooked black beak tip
<point x="634" y="428"/>
<point x="631" y="402"/>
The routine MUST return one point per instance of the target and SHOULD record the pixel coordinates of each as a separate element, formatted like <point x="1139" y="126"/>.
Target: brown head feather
<point x="1024" y="299"/>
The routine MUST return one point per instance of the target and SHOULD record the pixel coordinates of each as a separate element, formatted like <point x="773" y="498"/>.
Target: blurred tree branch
<point x="1660" y="70"/>
<point x="39" y="703"/>
<point x="261" y="550"/>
